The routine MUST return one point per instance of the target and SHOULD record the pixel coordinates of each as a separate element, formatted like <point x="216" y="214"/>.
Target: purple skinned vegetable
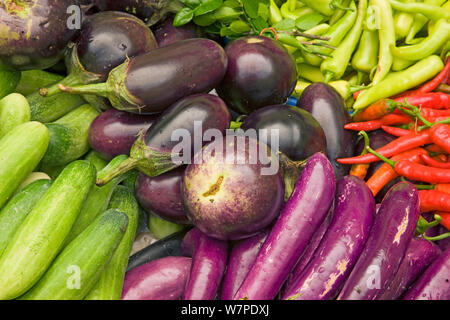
<point x="242" y="257"/>
<point x="114" y="132"/>
<point x="434" y="283"/>
<point x="302" y="215"/>
<point x="166" y="33"/>
<point x="341" y="246"/>
<point x="420" y="254"/>
<point x="162" y="279"/>
<point x="445" y="243"/>
<point x="209" y="261"/>
<point x="388" y="242"/>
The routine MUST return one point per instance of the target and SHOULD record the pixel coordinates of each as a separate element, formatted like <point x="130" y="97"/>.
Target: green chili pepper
<point x="440" y="35"/>
<point x="401" y="81"/>
<point x="300" y="87"/>
<point x="297" y="13"/>
<point x="334" y="67"/>
<point x="400" y="64"/>
<point x="310" y="73"/>
<point x="338" y="13"/>
<point x="366" y="56"/>
<point x="419" y="21"/>
<point x="402" y="23"/>
<point x="275" y="13"/>
<point x="386" y="34"/>
<point x="430" y="11"/>
<point x="322" y="6"/>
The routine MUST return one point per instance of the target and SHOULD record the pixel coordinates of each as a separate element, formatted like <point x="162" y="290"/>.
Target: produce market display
<point x="224" y="150"/>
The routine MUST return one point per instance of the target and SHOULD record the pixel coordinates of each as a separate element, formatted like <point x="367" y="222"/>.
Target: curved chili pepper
<point x="390" y="119"/>
<point x="366" y="56"/>
<point x="434" y="149"/>
<point x="419" y="172"/>
<point x="433" y="200"/>
<point x="403" y="22"/>
<point x="443" y="187"/>
<point x="432" y="12"/>
<point x="445" y="219"/>
<point x="360" y="170"/>
<point x="420" y="20"/>
<point x="431" y="100"/>
<point x="434" y="163"/>
<point x="440" y="135"/>
<point x="440" y="78"/>
<point x="397" y="132"/>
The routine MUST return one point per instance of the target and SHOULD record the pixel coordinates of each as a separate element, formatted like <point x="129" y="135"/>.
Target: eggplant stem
<point x="101" y="89"/>
<point x="69" y="81"/>
<point x="126" y="166"/>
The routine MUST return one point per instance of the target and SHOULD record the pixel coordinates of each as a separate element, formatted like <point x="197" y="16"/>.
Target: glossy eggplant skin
<point x="162" y="196"/>
<point x="420" y="254"/>
<point x="166" y="34"/>
<point x="386" y="246"/>
<point x="341" y="246"/>
<point x="161" y="77"/>
<point x="34" y="33"/>
<point x="328" y="107"/>
<point x="113" y="132"/>
<point x="300" y="135"/>
<point x="260" y="73"/>
<point x="434" y="283"/>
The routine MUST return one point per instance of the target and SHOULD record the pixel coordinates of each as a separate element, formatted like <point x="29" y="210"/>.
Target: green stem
<point x="69" y="81"/>
<point x="383" y="158"/>
<point x="111" y="172"/>
<point x="425" y="187"/>
<point x="438" y="238"/>
<point x="101" y="89"/>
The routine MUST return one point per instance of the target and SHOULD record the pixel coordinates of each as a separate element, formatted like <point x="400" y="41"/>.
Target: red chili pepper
<point x="411" y="141"/>
<point x="445" y="219"/>
<point x="356" y="94"/>
<point x="432" y="200"/>
<point x="434" y="163"/>
<point x="397" y="132"/>
<point x="429" y="113"/>
<point x="434" y="149"/>
<point x="390" y="119"/>
<point x="419" y="172"/>
<point x="432" y="100"/>
<point x="443" y="187"/>
<point x="440" y="78"/>
<point x="440" y="135"/>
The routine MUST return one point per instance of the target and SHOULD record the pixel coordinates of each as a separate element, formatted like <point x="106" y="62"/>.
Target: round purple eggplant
<point x="166" y="33"/>
<point x="34" y="33"/>
<point x="260" y="73"/>
<point x="434" y="283"/>
<point x="151" y="82"/>
<point x="341" y="246"/>
<point x="106" y="40"/>
<point x="162" y="195"/>
<point x="160" y="149"/>
<point x="113" y="132"/>
<point x="234" y="188"/>
<point x="328" y="107"/>
<point x="420" y="254"/>
<point x="386" y="246"/>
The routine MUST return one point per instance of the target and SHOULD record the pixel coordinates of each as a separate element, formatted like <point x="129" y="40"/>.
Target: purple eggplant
<point x="162" y="195"/>
<point x="34" y="33"/>
<point x="260" y="73"/>
<point x="113" y="132"/>
<point x="445" y="243"/>
<point x="388" y="242"/>
<point x="151" y="82"/>
<point x="162" y="279"/>
<point x="302" y="215"/>
<point x="166" y="33"/>
<point x="230" y="191"/>
<point x="341" y="246"/>
<point x="434" y="283"/>
<point x="209" y="261"/>
<point x="191" y="117"/>
<point x="328" y="107"/>
<point x="420" y="254"/>
<point x="106" y="40"/>
<point x="242" y="256"/>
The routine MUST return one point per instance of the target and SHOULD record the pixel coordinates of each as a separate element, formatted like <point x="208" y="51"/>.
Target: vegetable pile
<point x="225" y="150"/>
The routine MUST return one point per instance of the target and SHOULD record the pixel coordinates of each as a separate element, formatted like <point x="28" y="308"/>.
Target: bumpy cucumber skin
<point x="8" y="82"/>
<point x="16" y="210"/>
<point x="40" y="237"/>
<point x="14" y="111"/>
<point x="110" y="284"/>
<point x="86" y="256"/>
<point x="21" y="150"/>
<point x="33" y="80"/>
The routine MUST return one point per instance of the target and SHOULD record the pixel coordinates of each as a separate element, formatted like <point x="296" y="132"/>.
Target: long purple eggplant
<point x="341" y="246"/>
<point x="434" y="283"/>
<point x="166" y="33"/>
<point x="305" y="211"/>
<point x="162" y="279"/>
<point x="242" y="256"/>
<point x="151" y="82"/>
<point x="420" y="254"/>
<point x="209" y="261"/>
<point x="388" y="242"/>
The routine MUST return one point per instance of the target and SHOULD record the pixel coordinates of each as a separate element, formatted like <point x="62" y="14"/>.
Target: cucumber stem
<point x="101" y="89"/>
<point x="70" y="81"/>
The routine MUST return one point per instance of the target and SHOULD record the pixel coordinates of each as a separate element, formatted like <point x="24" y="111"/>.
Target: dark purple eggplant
<point x="106" y="40"/>
<point x="242" y="256"/>
<point x="341" y="246"/>
<point x="151" y="82"/>
<point x="166" y="33"/>
<point x="230" y="191"/>
<point x="434" y="283"/>
<point x="162" y="195"/>
<point x="386" y="246"/>
<point x="113" y="132"/>
<point x="445" y="243"/>
<point x="192" y="116"/>
<point x="328" y="107"/>
<point x="209" y="262"/>
<point x="420" y="254"/>
<point x="34" y="33"/>
<point x="260" y="73"/>
<point x="151" y="11"/>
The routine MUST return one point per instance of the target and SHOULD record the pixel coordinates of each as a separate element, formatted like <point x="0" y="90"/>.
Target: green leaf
<point x="285" y="24"/>
<point x="208" y="6"/>
<point x="192" y="3"/>
<point x="251" y="8"/>
<point x="231" y="4"/>
<point x="183" y="16"/>
<point x="226" y="14"/>
<point x="204" y="20"/>
<point x="263" y="11"/>
<point x="239" y="27"/>
<point x="259" y="24"/>
<point x="309" y="21"/>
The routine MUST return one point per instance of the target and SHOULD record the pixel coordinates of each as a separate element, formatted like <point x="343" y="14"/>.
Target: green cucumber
<point x="33" y="80"/>
<point x="16" y="210"/>
<point x="79" y="266"/>
<point x="162" y="228"/>
<point x="130" y="181"/>
<point x="32" y="177"/>
<point x="69" y="136"/>
<point x="8" y="82"/>
<point x="96" y="159"/>
<point x="110" y="284"/>
<point x="14" y="111"/>
<point x="41" y="236"/>
<point x="21" y="150"/>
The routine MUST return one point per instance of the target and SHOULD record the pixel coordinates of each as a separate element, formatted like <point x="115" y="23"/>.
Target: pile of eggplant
<point x="154" y="110"/>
